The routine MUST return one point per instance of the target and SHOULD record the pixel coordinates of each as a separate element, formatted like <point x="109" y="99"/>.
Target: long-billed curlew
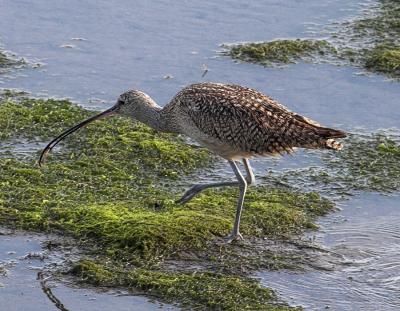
<point x="234" y="122"/>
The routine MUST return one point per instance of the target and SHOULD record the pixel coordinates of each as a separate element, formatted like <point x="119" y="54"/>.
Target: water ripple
<point x="366" y="249"/>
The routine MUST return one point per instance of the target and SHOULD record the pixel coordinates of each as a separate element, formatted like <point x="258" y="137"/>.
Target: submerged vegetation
<point x="371" y="42"/>
<point x="380" y="25"/>
<point x="280" y="51"/>
<point x="3" y="59"/>
<point x="198" y="290"/>
<point x="111" y="186"/>
<point x="7" y="61"/>
<point x="369" y="162"/>
<point x="385" y="59"/>
<point x="375" y="38"/>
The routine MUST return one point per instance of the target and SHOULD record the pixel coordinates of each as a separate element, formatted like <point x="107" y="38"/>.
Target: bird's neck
<point x="153" y="116"/>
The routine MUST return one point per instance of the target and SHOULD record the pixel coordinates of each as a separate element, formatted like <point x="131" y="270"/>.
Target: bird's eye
<point x="121" y="102"/>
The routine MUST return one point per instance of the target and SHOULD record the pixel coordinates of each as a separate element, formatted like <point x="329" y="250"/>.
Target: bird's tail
<point x="333" y="144"/>
<point x="327" y="136"/>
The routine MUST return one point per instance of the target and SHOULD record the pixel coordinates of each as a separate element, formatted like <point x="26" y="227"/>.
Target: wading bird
<point x="232" y="121"/>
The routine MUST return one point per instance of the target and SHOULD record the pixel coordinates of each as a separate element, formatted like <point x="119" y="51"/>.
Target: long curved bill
<point x="59" y="138"/>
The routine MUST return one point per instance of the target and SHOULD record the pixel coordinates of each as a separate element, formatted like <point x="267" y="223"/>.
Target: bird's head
<point x="130" y="103"/>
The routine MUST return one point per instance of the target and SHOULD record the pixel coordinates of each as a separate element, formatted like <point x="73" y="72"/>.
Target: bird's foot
<point x="190" y="194"/>
<point x="234" y="236"/>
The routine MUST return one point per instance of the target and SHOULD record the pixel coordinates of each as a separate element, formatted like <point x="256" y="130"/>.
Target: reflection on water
<point x="94" y="50"/>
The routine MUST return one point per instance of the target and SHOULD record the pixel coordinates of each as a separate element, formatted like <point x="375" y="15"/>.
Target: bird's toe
<point x="234" y="236"/>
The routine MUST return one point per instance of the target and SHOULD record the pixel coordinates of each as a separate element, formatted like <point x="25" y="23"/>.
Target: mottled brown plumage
<point x="234" y="122"/>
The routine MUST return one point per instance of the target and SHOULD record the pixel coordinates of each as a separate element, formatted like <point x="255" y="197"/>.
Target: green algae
<point x="143" y="221"/>
<point x="371" y="42"/>
<point x="369" y="162"/>
<point x="198" y="290"/>
<point x="381" y="25"/>
<point x="111" y="186"/>
<point x="375" y="38"/>
<point x="280" y="51"/>
<point x="384" y="59"/>
<point x="32" y="118"/>
<point x="388" y="147"/>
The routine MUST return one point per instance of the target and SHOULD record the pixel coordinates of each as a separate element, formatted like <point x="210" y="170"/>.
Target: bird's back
<point x="236" y="121"/>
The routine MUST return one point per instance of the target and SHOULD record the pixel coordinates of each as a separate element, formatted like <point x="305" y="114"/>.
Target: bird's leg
<point x="235" y="234"/>
<point x="249" y="172"/>
<point x="242" y="182"/>
<point x="191" y="193"/>
<point x="200" y="187"/>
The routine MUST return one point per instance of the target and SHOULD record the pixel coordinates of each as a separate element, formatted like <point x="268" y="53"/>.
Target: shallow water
<point x="365" y="236"/>
<point x="137" y="45"/>
<point x="92" y="51"/>
<point x="22" y="256"/>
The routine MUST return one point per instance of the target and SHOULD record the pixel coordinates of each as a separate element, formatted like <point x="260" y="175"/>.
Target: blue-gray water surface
<point x="22" y="255"/>
<point x="91" y="51"/>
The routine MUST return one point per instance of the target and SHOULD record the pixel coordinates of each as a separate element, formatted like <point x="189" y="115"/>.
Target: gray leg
<point x="249" y="172"/>
<point x="196" y="189"/>
<point x="200" y="187"/>
<point x="235" y="234"/>
<point x="242" y="182"/>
